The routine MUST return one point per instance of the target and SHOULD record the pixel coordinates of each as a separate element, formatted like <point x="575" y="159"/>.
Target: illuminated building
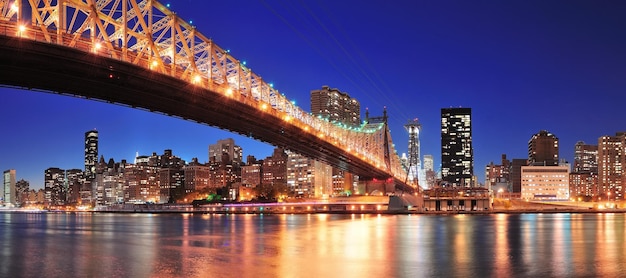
<point x="9" y="193"/>
<point x="611" y="160"/>
<point x="335" y="106"/>
<point x="91" y="153"/>
<point x="543" y="149"/>
<point x="226" y="146"/>
<point x="74" y="182"/>
<point x="457" y="154"/>
<point x="171" y="177"/>
<point x="499" y="176"/>
<point x="22" y="189"/>
<point x="583" y="185"/>
<point x="545" y="183"/>
<point x="54" y="181"/>
<point x="196" y="176"/>
<point x="307" y="177"/>
<point x="429" y="171"/>
<point x="413" y="164"/>
<point x="274" y="168"/>
<point x="584" y="177"/>
<point x="585" y="157"/>
<point x="251" y="175"/>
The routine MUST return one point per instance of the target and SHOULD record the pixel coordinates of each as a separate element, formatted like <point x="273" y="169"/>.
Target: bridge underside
<point x="58" y="69"/>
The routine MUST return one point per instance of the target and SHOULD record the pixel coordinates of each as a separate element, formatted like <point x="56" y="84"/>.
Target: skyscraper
<point x="335" y="106"/>
<point x="414" y="164"/>
<point x="543" y="149"/>
<point x="91" y="154"/>
<point x="611" y="160"/>
<point x="457" y="154"/>
<point x="585" y="157"/>
<point x="9" y="187"/>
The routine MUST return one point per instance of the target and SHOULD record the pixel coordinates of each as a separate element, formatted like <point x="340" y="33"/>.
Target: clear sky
<point x="522" y="66"/>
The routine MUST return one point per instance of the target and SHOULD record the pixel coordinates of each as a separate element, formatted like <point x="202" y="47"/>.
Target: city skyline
<point x="549" y="59"/>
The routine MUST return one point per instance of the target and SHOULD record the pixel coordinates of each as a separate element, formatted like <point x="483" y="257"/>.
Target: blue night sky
<point x="522" y="66"/>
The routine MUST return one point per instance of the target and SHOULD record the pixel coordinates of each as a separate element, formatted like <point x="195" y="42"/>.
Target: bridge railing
<point x="146" y="33"/>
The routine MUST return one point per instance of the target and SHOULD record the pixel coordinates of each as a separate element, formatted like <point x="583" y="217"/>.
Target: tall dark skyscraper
<point x="91" y="154"/>
<point x="457" y="154"/>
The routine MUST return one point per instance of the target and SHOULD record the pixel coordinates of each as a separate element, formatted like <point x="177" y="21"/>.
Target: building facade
<point x="91" y="154"/>
<point x="197" y="176"/>
<point x="585" y="157"/>
<point x="545" y="183"/>
<point x="9" y="193"/>
<point x="583" y="186"/>
<point x="54" y="186"/>
<point x="611" y="160"/>
<point x="22" y="188"/>
<point x="274" y="168"/>
<point x="457" y="155"/>
<point x="335" y="106"/>
<point x="543" y="149"/>
<point x="498" y="176"/>
<point x="226" y="146"/>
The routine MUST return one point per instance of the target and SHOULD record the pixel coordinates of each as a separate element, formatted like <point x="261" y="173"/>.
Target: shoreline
<point x="372" y="212"/>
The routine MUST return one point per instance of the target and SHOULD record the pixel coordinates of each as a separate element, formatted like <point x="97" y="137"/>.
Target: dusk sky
<point x="522" y="66"/>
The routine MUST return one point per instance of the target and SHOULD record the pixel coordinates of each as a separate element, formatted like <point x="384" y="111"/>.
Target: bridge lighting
<point x="244" y="63"/>
<point x="287" y="118"/>
<point x="271" y="85"/>
<point x="154" y="64"/>
<point x="229" y="92"/>
<point x="15" y="7"/>
<point x="20" y="30"/>
<point x="197" y="79"/>
<point x="264" y="106"/>
<point x="167" y="5"/>
<point x="97" y="46"/>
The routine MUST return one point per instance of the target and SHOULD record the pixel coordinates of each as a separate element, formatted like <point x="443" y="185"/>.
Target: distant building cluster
<point x="596" y="174"/>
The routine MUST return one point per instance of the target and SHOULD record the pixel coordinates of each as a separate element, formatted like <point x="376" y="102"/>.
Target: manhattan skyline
<point x="521" y="67"/>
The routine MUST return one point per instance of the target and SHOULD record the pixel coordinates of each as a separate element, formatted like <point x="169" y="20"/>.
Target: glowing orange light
<point x="14" y="7"/>
<point x="229" y="92"/>
<point x="264" y="106"/>
<point x="197" y="79"/>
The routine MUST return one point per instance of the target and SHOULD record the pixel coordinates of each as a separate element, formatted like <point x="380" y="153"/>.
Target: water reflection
<point x="315" y="245"/>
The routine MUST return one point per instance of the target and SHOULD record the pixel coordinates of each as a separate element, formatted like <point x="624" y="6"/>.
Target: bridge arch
<point x="140" y="54"/>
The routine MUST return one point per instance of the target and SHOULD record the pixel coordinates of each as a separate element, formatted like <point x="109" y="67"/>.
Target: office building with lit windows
<point x="611" y="162"/>
<point x="457" y="155"/>
<point x="91" y="154"/>
<point x="545" y="183"/>
<point x="336" y="106"/>
<point x="584" y="175"/>
<point x="9" y="195"/>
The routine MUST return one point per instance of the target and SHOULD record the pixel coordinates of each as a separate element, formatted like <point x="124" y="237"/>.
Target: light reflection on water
<point x="314" y="245"/>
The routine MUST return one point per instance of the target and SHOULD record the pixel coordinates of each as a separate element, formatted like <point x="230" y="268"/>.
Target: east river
<point x="312" y="245"/>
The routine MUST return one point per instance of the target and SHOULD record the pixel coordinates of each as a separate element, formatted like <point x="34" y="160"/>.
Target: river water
<point x="311" y="245"/>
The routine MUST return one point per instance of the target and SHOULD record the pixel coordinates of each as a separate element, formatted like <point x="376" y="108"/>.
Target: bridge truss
<point x="146" y="33"/>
